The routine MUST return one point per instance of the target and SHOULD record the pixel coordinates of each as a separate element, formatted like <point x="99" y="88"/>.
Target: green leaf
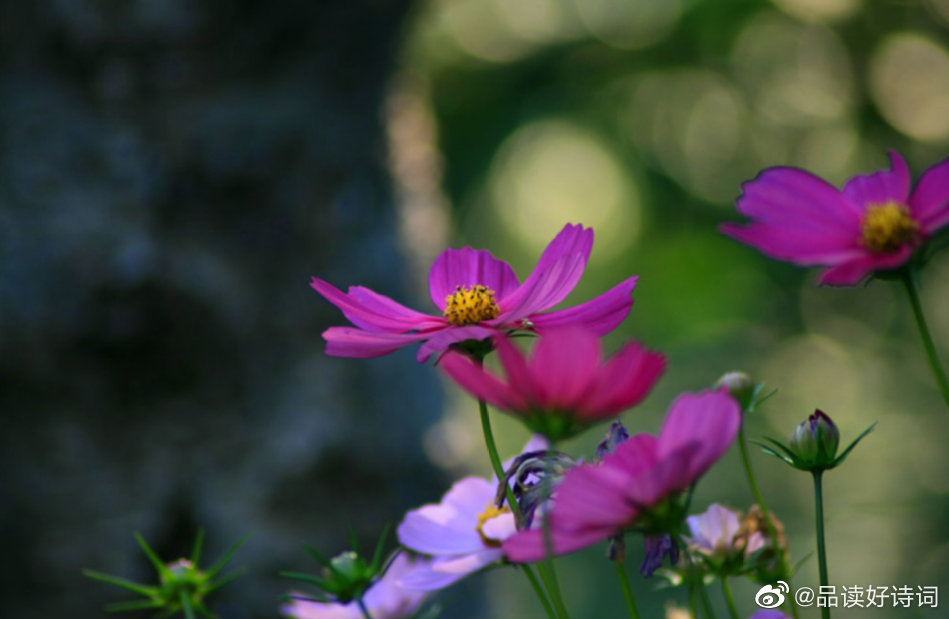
<point x="220" y="563"/>
<point x="160" y="567"/>
<point x="313" y="580"/>
<point x="220" y="583"/>
<point x="377" y="555"/>
<point x="121" y="582"/>
<point x="843" y="455"/>
<point x="198" y="542"/>
<point x="319" y="556"/>
<point x="800" y="563"/>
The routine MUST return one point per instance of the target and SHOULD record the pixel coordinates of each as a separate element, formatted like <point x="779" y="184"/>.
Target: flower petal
<point x="500" y="527"/>
<point x="799" y="200"/>
<point x="853" y="271"/>
<point x="929" y="204"/>
<point x="624" y="381"/>
<point x="709" y="418"/>
<point x="441" y="340"/>
<point x="880" y="187"/>
<point x="479" y="382"/>
<point x="519" y="377"/>
<point x="387" y="599"/>
<point x="557" y="272"/>
<point x="528" y="546"/>
<point x="634" y="455"/>
<point x="600" y="314"/>
<point x="800" y="246"/>
<point x="591" y="495"/>
<point x="563" y="366"/>
<point x="668" y="475"/>
<point x="445" y="571"/>
<point x="371" y="311"/>
<point x="715" y="526"/>
<point x="299" y="608"/>
<point x="469" y="267"/>
<point x="352" y="342"/>
<point x="448" y="527"/>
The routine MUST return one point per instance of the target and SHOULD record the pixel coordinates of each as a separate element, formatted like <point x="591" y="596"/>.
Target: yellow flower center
<point x="491" y="511"/>
<point x="886" y="227"/>
<point x="467" y="306"/>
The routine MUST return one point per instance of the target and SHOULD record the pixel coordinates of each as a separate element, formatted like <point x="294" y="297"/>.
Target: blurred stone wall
<point x="171" y="175"/>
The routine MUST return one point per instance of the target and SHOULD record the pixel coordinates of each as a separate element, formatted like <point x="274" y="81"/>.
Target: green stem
<point x="706" y="602"/>
<point x="759" y="499"/>
<point x="546" y="567"/>
<point x="821" y="548"/>
<point x="547" y="574"/>
<point x="627" y="591"/>
<point x="538" y="590"/>
<point x="186" y="605"/>
<point x="729" y="598"/>
<point x="749" y="473"/>
<point x="695" y="577"/>
<point x="362" y="607"/>
<point x="938" y="372"/>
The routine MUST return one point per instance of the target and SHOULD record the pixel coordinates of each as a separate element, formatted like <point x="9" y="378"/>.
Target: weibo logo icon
<point x="772" y="597"/>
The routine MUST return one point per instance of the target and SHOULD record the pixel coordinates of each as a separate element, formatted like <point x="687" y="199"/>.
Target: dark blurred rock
<point x="171" y="175"/>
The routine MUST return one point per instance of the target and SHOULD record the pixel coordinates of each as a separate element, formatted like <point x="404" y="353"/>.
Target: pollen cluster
<point x="491" y="511"/>
<point x="467" y="306"/>
<point x="887" y="227"/>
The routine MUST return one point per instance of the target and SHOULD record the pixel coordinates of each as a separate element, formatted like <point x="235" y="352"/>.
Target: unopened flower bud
<point x="349" y="566"/>
<point x="740" y="386"/>
<point x="815" y="441"/>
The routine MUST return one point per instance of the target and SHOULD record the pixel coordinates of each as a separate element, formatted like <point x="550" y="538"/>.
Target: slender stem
<point x="546" y="567"/>
<point x="538" y="590"/>
<point x="729" y="598"/>
<point x="938" y="372"/>
<point x="186" y="605"/>
<point x="706" y="602"/>
<point x="695" y="577"/>
<point x="759" y="499"/>
<point x="362" y="607"/>
<point x="549" y="578"/>
<point x="821" y="548"/>
<point x="627" y="591"/>
<point x="749" y="473"/>
<point x="489" y="441"/>
<point x="790" y="603"/>
<point x="546" y="570"/>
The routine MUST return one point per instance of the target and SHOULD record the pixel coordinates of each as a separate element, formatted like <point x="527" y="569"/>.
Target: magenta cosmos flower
<point x="595" y="501"/>
<point x="384" y="599"/>
<point x="463" y="533"/>
<point x="564" y="386"/>
<point x="477" y="296"/>
<point x="874" y="224"/>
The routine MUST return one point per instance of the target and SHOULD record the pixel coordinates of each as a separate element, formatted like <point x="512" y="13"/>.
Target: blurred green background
<point x="641" y="119"/>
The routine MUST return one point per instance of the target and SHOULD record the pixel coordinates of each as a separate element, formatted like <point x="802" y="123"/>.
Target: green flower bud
<point x="815" y="441"/>
<point x="741" y="387"/>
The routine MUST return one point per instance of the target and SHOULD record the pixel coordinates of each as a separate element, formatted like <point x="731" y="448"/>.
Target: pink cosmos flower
<point x="564" y="385"/>
<point x="595" y="501"/>
<point x="715" y="533"/>
<point x="874" y="224"/>
<point x="477" y="297"/>
<point x="463" y="533"/>
<point x="384" y="599"/>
